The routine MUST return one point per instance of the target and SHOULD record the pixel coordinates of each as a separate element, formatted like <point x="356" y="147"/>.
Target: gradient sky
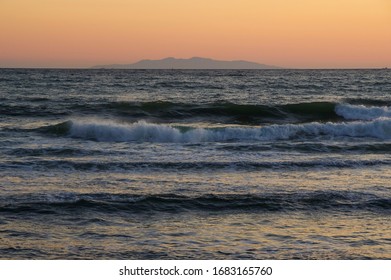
<point x="287" y="33"/>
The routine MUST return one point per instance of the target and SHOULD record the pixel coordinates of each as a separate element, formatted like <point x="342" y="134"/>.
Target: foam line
<point x="148" y="132"/>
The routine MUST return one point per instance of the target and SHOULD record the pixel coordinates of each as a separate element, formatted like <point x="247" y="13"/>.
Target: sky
<point x="286" y="33"/>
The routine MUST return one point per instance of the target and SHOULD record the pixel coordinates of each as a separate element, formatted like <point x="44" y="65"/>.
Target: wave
<point x="360" y="112"/>
<point x="239" y="113"/>
<point x="175" y="166"/>
<point x="306" y="147"/>
<point x="225" y="112"/>
<point x="149" y="132"/>
<point x="102" y="202"/>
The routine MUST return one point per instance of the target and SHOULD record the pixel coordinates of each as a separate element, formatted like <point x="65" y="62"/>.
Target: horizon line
<point x="280" y="68"/>
<point x="118" y="65"/>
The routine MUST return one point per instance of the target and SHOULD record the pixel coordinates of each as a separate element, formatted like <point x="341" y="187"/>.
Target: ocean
<point x="195" y="164"/>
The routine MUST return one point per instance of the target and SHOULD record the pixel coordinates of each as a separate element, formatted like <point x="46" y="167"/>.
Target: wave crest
<point x="361" y="112"/>
<point x="149" y="132"/>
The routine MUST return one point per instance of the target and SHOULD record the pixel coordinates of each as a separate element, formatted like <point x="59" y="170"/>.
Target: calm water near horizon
<point x="195" y="164"/>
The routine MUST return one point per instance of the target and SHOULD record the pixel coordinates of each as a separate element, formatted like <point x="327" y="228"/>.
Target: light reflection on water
<point x="205" y="236"/>
<point x="96" y="164"/>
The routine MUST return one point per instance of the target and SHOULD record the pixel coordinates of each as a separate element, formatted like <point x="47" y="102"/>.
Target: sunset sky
<point x="287" y="33"/>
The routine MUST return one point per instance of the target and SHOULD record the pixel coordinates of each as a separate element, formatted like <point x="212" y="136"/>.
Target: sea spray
<point x="142" y="131"/>
<point x="361" y="112"/>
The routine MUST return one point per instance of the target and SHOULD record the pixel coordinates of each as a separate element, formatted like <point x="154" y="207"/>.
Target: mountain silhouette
<point x="191" y="63"/>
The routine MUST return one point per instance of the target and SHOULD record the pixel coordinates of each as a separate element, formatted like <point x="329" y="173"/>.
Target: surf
<point x="142" y="131"/>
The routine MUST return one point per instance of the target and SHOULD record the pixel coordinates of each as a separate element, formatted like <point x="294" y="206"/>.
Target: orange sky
<point x="287" y="33"/>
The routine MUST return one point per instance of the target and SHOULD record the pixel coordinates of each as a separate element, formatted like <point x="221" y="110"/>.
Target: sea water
<point x="183" y="164"/>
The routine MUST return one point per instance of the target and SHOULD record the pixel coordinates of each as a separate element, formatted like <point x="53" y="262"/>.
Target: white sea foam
<point x="149" y="132"/>
<point x="360" y="112"/>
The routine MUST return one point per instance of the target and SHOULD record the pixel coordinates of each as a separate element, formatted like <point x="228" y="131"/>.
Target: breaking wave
<point x="150" y="132"/>
<point x="361" y="112"/>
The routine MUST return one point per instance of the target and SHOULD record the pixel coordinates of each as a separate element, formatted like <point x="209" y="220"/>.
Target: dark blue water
<point x="222" y="164"/>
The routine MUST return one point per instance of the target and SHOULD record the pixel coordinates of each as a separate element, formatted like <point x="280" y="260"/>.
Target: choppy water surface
<point x="167" y="164"/>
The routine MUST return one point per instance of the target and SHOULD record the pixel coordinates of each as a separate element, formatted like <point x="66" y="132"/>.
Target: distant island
<point x="191" y="63"/>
